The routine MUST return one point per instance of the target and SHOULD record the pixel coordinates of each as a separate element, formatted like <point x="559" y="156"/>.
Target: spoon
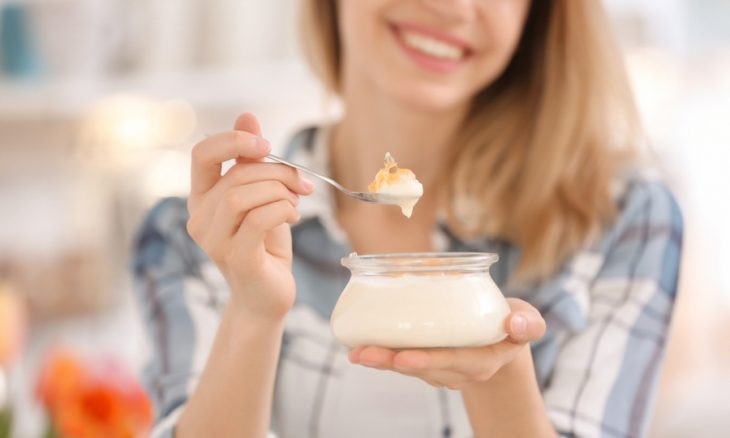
<point x="372" y="197"/>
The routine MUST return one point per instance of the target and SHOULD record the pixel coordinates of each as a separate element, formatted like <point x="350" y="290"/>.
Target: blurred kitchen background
<point x="102" y="100"/>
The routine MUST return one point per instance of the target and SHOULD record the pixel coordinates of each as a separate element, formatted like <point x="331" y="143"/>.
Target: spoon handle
<point x="308" y="171"/>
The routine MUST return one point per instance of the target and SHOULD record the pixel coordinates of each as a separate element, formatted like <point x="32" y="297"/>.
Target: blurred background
<point x="102" y="100"/>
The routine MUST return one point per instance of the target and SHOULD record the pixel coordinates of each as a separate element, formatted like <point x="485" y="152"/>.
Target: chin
<point x="429" y="97"/>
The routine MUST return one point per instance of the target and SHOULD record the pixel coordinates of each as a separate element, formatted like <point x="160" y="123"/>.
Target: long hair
<point x="542" y="145"/>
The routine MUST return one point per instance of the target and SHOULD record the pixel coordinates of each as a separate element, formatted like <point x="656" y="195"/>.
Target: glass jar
<point x="420" y="300"/>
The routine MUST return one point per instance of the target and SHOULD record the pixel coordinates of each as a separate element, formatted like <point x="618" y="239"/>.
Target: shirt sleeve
<point x="606" y="375"/>
<point x="180" y="297"/>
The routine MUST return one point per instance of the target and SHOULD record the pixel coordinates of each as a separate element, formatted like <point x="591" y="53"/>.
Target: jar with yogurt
<point x="420" y="300"/>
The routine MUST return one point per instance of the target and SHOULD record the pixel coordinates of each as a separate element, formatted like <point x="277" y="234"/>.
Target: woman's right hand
<point x="241" y="219"/>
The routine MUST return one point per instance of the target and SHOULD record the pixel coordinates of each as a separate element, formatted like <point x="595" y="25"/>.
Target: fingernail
<point x="307" y="183"/>
<point x="518" y="324"/>
<point x="263" y="144"/>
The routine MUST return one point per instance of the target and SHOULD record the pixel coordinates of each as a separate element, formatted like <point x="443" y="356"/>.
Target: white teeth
<point x="432" y="47"/>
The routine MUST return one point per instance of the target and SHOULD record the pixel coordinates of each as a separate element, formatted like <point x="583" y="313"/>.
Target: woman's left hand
<point x="456" y="368"/>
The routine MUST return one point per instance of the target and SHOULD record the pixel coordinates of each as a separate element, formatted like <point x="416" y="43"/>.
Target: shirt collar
<point x="314" y="154"/>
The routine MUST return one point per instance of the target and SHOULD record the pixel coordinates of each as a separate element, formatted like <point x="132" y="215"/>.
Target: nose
<point x="457" y="9"/>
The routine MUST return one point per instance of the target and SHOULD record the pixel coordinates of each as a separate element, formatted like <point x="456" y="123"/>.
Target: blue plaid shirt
<point x="607" y="309"/>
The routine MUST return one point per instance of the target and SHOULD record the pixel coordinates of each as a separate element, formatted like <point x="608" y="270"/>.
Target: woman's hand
<point x="241" y="219"/>
<point x="457" y="368"/>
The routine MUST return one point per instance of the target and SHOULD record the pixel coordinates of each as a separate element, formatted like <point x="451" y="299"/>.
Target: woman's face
<point x="432" y="54"/>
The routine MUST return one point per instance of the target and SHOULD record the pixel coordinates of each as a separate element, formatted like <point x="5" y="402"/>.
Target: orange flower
<point x="87" y="401"/>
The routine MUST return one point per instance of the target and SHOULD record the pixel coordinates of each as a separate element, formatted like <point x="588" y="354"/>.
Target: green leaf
<point x="50" y="431"/>
<point x="5" y="421"/>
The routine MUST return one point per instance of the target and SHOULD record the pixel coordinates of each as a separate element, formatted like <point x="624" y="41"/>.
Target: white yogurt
<point x="400" y="183"/>
<point x="420" y="311"/>
<point x="407" y="191"/>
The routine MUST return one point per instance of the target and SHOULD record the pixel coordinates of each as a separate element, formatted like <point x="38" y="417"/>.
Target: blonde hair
<point x="542" y="145"/>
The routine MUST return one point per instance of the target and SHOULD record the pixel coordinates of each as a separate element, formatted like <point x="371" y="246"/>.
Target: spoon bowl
<point x="371" y="197"/>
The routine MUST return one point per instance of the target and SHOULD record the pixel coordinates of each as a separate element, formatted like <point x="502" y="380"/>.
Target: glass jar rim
<point x="419" y="262"/>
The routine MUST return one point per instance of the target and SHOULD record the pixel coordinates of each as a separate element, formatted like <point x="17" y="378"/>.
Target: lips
<point x="430" y="48"/>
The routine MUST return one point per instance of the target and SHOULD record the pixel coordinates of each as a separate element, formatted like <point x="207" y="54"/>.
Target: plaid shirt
<point x="607" y="309"/>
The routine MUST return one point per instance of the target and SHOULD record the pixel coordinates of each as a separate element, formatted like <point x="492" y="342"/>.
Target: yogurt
<point x="398" y="182"/>
<point x="436" y="307"/>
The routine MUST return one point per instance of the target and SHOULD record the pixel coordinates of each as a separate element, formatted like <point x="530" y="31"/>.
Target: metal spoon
<point x="372" y="197"/>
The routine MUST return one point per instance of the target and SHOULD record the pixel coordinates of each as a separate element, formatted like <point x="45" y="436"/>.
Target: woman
<point x="516" y="117"/>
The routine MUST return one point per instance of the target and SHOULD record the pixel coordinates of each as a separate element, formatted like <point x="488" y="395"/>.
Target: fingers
<point x="249" y="123"/>
<point x="260" y="220"/>
<point x="449" y="367"/>
<point x="524" y="324"/>
<point x="375" y="357"/>
<point x="238" y="201"/>
<point x="245" y="141"/>
<point x="386" y="359"/>
<point x="475" y="362"/>
<point x="205" y="207"/>
<point x="242" y="174"/>
<point x="354" y="354"/>
<point x="209" y="154"/>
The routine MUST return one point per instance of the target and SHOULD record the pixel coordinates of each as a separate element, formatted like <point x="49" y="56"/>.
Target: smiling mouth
<point x="432" y="47"/>
<point x="431" y="43"/>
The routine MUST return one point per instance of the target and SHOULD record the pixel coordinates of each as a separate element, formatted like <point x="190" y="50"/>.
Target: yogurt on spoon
<point x="399" y="183"/>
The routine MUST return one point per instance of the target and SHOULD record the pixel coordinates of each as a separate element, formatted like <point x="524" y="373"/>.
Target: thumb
<point x="524" y="324"/>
